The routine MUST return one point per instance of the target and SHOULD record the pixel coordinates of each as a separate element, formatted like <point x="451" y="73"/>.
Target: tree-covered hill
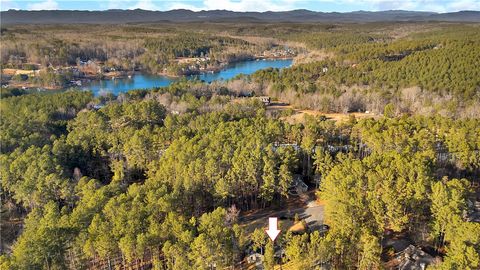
<point x="362" y="70"/>
<point x="161" y="178"/>
<point x="181" y="15"/>
<point x="131" y="182"/>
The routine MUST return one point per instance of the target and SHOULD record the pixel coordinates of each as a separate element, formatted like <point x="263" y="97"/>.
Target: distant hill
<point x="182" y="15"/>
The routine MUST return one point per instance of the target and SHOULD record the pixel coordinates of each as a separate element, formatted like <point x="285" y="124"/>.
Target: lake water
<point x="142" y="81"/>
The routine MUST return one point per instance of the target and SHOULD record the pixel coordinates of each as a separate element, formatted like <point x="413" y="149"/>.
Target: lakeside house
<point x="265" y="99"/>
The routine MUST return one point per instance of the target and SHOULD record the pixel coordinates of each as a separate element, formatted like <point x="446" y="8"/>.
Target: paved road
<point x="313" y="214"/>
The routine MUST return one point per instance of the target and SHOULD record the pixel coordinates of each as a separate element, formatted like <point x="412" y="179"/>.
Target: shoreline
<point x="87" y="79"/>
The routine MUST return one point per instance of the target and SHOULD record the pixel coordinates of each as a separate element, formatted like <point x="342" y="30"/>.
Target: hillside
<point x="223" y="140"/>
<point x="182" y="15"/>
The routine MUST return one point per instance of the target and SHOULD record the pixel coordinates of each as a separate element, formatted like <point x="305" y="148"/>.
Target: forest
<point x="364" y="71"/>
<point x="420" y="68"/>
<point x="147" y="48"/>
<point x="131" y="179"/>
<point x="164" y="178"/>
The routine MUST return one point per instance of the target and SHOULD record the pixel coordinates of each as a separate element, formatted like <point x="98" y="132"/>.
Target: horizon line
<point x="268" y="11"/>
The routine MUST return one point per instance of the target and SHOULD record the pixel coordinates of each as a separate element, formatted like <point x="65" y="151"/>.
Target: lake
<point x="141" y="81"/>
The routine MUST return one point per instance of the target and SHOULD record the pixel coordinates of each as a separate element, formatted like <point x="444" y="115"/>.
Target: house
<point x="413" y="258"/>
<point x="298" y="186"/>
<point x="76" y="82"/>
<point x="473" y="213"/>
<point x="264" y="99"/>
<point x="277" y="145"/>
<point x="333" y="149"/>
<point x="98" y="106"/>
<point x="255" y="258"/>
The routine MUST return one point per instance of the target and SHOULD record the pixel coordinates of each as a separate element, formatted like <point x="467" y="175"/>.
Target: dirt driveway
<point x="305" y="206"/>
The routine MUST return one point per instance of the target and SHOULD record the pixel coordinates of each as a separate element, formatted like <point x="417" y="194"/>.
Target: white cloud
<point x="113" y="4"/>
<point x="251" y="5"/>
<point x="396" y="5"/>
<point x="420" y="5"/>
<point x="464" y="5"/>
<point x="424" y="5"/>
<point x="45" y="5"/>
<point x="238" y="5"/>
<point x="432" y="7"/>
<point x="7" y="4"/>
<point x="282" y="5"/>
<point x="260" y="5"/>
<point x="178" y="5"/>
<point x="146" y="5"/>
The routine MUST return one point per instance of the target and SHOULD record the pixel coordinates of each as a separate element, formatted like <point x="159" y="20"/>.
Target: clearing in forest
<point x="298" y="116"/>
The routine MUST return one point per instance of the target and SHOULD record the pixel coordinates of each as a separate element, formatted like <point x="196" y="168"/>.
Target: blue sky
<point x="247" y="5"/>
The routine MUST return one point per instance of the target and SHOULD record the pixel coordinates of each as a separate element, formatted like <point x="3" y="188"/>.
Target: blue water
<point x="142" y="81"/>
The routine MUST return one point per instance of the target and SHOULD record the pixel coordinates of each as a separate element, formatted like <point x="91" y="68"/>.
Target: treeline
<point x="68" y="176"/>
<point x="189" y="45"/>
<point x="165" y="172"/>
<point x="131" y="177"/>
<point x="415" y="73"/>
<point x="401" y="190"/>
<point x="123" y="47"/>
<point x="11" y="92"/>
<point x="403" y="187"/>
<point x="441" y="61"/>
<point x="335" y="38"/>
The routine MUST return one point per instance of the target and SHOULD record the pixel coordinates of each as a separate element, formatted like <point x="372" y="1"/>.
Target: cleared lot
<point x="305" y="206"/>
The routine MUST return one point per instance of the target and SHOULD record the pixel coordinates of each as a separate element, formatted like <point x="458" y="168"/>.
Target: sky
<point x="246" y="5"/>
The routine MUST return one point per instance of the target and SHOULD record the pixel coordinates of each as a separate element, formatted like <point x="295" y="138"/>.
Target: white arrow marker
<point x="272" y="228"/>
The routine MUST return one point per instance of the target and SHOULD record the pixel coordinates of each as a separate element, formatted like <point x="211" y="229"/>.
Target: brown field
<point x="312" y="56"/>
<point x="299" y="115"/>
<point x="186" y="60"/>
<point x="14" y="71"/>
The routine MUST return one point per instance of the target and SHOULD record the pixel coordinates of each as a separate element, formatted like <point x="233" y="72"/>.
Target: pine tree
<point x="269" y="256"/>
